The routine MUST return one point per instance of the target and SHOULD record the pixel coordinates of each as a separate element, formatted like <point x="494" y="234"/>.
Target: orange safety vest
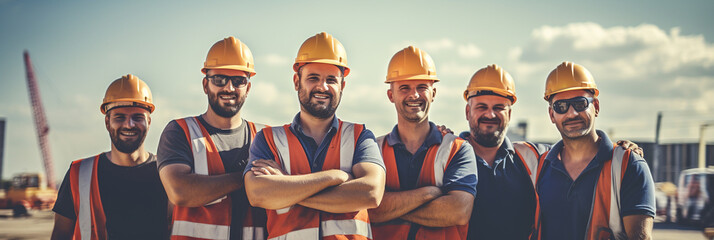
<point x="213" y="220"/>
<point x="435" y="162"/>
<point x="91" y="222"/>
<point x="298" y="222"/>
<point x="605" y="220"/>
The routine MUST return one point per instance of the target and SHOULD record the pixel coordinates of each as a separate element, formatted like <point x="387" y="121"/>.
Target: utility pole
<point x="656" y="157"/>
<point x="2" y="143"/>
<point x="703" y="145"/>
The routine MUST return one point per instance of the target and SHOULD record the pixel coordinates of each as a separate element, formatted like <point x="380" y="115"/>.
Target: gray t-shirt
<point x="232" y="145"/>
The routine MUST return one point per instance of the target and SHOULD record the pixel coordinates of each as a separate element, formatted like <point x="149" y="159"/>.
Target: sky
<point x="646" y="57"/>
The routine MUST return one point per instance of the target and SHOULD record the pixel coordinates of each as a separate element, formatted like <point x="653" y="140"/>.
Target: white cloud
<point x="438" y="45"/>
<point x="644" y="48"/>
<point x="455" y="69"/>
<point x="274" y="59"/>
<point x="469" y="51"/>
<point x="639" y="70"/>
<point x="444" y="46"/>
<point x="269" y="93"/>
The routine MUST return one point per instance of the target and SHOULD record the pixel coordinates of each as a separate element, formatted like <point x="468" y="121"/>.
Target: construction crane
<point x="28" y="190"/>
<point x="38" y="112"/>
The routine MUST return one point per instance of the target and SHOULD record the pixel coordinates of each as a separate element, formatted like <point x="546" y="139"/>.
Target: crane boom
<point x="38" y="112"/>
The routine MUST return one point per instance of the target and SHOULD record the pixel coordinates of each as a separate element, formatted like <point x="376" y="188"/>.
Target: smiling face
<point x="573" y="124"/>
<point x="127" y="127"/>
<point x="225" y="101"/>
<point x="412" y="99"/>
<point x="488" y="117"/>
<point x="319" y="88"/>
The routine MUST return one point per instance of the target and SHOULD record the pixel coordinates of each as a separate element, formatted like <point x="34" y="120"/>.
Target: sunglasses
<point x="222" y="80"/>
<point x="578" y="103"/>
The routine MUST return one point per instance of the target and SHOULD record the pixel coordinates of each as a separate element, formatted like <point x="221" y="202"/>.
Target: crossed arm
<point x="425" y="206"/>
<point x="187" y="189"/>
<point x="331" y="190"/>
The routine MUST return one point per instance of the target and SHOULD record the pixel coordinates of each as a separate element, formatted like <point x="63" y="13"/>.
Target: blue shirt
<point x="460" y="174"/>
<point x="505" y="205"/>
<point x="566" y="203"/>
<point x="366" y="149"/>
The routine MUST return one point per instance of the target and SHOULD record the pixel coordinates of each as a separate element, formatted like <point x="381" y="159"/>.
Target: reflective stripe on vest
<point x="432" y="171"/>
<point x="213" y="220"/>
<point x="443" y="156"/>
<point x="306" y="233"/>
<point x="90" y="223"/>
<point x="298" y="222"/>
<point x="85" y="180"/>
<point x="529" y="157"/>
<point x="200" y="230"/>
<point x="605" y="221"/>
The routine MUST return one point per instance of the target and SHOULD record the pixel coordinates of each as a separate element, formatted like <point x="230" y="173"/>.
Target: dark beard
<point x="488" y="139"/>
<point x="318" y="110"/>
<point x="227" y="111"/>
<point x="127" y="146"/>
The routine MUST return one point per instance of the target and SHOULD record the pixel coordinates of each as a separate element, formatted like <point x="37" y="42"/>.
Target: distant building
<point x="518" y="133"/>
<point x="673" y="158"/>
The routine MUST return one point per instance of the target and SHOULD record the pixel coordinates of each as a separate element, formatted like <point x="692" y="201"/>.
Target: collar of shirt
<point x="505" y="152"/>
<point x="433" y="138"/>
<point x="315" y="153"/>
<point x="604" y="152"/>
<point x="296" y="125"/>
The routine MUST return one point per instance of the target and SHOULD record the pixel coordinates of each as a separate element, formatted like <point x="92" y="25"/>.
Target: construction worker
<point x="318" y="175"/>
<point x="588" y="189"/>
<point x="201" y="158"/>
<point x="99" y="194"/>
<point x="505" y="204"/>
<point x="431" y="178"/>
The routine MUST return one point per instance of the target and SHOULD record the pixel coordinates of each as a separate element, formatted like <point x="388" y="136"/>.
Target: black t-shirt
<point x="134" y="200"/>
<point x="232" y="145"/>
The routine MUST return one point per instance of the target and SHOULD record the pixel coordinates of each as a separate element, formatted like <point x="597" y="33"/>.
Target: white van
<point x="693" y="194"/>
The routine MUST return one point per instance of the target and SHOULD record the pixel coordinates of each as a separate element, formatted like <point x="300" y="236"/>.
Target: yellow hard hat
<point x="411" y="63"/>
<point x="322" y="48"/>
<point x="494" y="79"/>
<point x="230" y="53"/>
<point x="569" y="76"/>
<point x="127" y="91"/>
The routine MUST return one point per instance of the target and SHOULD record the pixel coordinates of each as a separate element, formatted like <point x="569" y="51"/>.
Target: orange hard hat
<point x="411" y="63"/>
<point x="322" y="48"/>
<point x="127" y="91"/>
<point x="569" y="76"/>
<point x="494" y="79"/>
<point x="230" y="53"/>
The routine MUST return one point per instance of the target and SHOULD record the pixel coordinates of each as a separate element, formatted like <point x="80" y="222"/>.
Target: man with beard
<point x="318" y="175"/>
<point x="99" y="195"/>
<point x="587" y="188"/>
<point x="505" y="204"/>
<point x="201" y="158"/>
<point x="431" y="179"/>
